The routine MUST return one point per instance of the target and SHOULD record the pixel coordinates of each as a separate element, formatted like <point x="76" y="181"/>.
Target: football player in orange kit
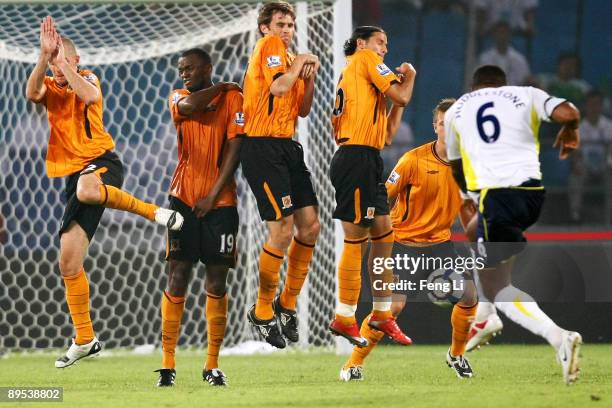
<point x="363" y="128"/>
<point x="426" y="201"/>
<point x="81" y="150"/>
<point x="208" y="118"/>
<point x="279" y="87"/>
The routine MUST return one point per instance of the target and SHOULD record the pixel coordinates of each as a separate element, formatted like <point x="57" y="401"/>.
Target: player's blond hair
<point x="69" y="47"/>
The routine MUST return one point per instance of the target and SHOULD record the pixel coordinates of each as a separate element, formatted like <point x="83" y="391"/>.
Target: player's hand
<point x="567" y="141"/>
<point x="48" y="41"/>
<point x="406" y="71"/>
<point x="307" y="71"/>
<point x="59" y="56"/>
<point x="204" y="205"/>
<point x="230" y="86"/>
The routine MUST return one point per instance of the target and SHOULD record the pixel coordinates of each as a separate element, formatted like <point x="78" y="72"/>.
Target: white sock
<point x="521" y="308"/>
<point x="485" y="307"/>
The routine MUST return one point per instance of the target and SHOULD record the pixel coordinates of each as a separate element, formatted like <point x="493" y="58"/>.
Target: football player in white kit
<point x="493" y="148"/>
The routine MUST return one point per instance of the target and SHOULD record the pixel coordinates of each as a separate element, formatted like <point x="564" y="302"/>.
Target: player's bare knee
<point x="68" y="266"/>
<point x="281" y="237"/>
<point x="88" y="192"/>
<point x="178" y="279"/>
<point x="216" y="281"/>
<point x="310" y="233"/>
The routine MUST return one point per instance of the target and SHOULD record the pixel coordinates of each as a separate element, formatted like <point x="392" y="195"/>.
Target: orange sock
<point x="270" y="262"/>
<point x="112" y="197"/>
<point x="77" y="297"/>
<point x="349" y="281"/>
<point x="216" y="320"/>
<point x="360" y="353"/>
<point x="461" y="319"/>
<point x="381" y="306"/>
<point x="299" y="256"/>
<point x="171" y="313"/>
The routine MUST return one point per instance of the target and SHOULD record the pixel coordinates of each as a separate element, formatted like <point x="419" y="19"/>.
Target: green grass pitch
<point x="416" y="376"/>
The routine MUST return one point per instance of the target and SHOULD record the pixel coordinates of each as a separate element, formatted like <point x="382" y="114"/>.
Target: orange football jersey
<point x="201" y="140"/>
<point x="77" y="130"/>
<point x="360" y="112"/>
<point x="265" y="114"/>
<point x="428" y="199"/>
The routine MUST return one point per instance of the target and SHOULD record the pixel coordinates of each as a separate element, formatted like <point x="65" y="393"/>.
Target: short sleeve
<point x="453" y="150"/>
<point x="543" y="103"/>
<point x="379" y="74"/>
<point x="401" y="175"/>
<point x="273" y="58"/>
<point x="173" y="101"/>
<point x="235" y="117"/>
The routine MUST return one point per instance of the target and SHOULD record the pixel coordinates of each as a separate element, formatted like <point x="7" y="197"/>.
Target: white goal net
<point x="133" y="48"/>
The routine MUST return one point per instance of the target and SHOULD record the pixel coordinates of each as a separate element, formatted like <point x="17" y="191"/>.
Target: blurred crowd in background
<point x="556" y="45"/>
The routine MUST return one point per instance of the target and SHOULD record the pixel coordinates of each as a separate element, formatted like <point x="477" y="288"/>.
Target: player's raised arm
<point x="198" y="101"/>
<point x="308" y="74"/>
<point x="36" y="88"/>
<point x="401" y="93"/>
<point x="568" y="138"/>
<point x="66" y="60"/>
<point x="284" y="82"/>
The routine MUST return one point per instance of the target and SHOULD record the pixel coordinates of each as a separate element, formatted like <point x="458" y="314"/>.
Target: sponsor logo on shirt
<point x="274" y="61"/>
<point x="91" y="78"/>
<point x="383" y="69"/>
<point x="176" y="97"/>
<point x="393" y="177"/>
<point x="239" y="119"/>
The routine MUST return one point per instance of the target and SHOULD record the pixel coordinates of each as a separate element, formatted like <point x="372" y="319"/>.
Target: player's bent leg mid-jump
<point x="425" y="202"/>
<point x="203" y="190"/>
<point x="362" y="129"/>
<point x="81" y="150"/>
<point x="279" y="87"/>
<point x="502" y="166"/>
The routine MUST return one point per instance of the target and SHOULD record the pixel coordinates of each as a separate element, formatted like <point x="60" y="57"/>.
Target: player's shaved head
<point x="488" y="76"/>
<point x="195" y="69"/>
<point x="360" y="33"/>
<point x="202" y="55"/>
<point x="69" y="47"/>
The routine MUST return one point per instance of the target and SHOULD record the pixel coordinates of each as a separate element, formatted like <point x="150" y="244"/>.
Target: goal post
<point x="133" y="48"/>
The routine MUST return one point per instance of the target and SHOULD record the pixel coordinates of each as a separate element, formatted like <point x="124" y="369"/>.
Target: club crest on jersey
<point x="287" y="202"/>
<point x="91" y="78"/>
<point x="239" y="119"/>
<point x="370" y="213"/>
<point x="274" y="61"/>
<point x="383" y="69"/>
<point x="393" y="177"/>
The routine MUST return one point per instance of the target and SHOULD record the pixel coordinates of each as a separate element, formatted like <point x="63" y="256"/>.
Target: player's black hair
<point x="488" y="76"/>
<point x="200" y="53"/>
<point x="363" y="33"/>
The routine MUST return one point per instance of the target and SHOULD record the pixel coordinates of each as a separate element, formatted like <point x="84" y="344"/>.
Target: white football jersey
<point x="495" y="132"/>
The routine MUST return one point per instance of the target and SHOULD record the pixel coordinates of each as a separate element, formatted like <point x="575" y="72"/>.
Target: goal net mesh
<point x="133" y="48"/>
